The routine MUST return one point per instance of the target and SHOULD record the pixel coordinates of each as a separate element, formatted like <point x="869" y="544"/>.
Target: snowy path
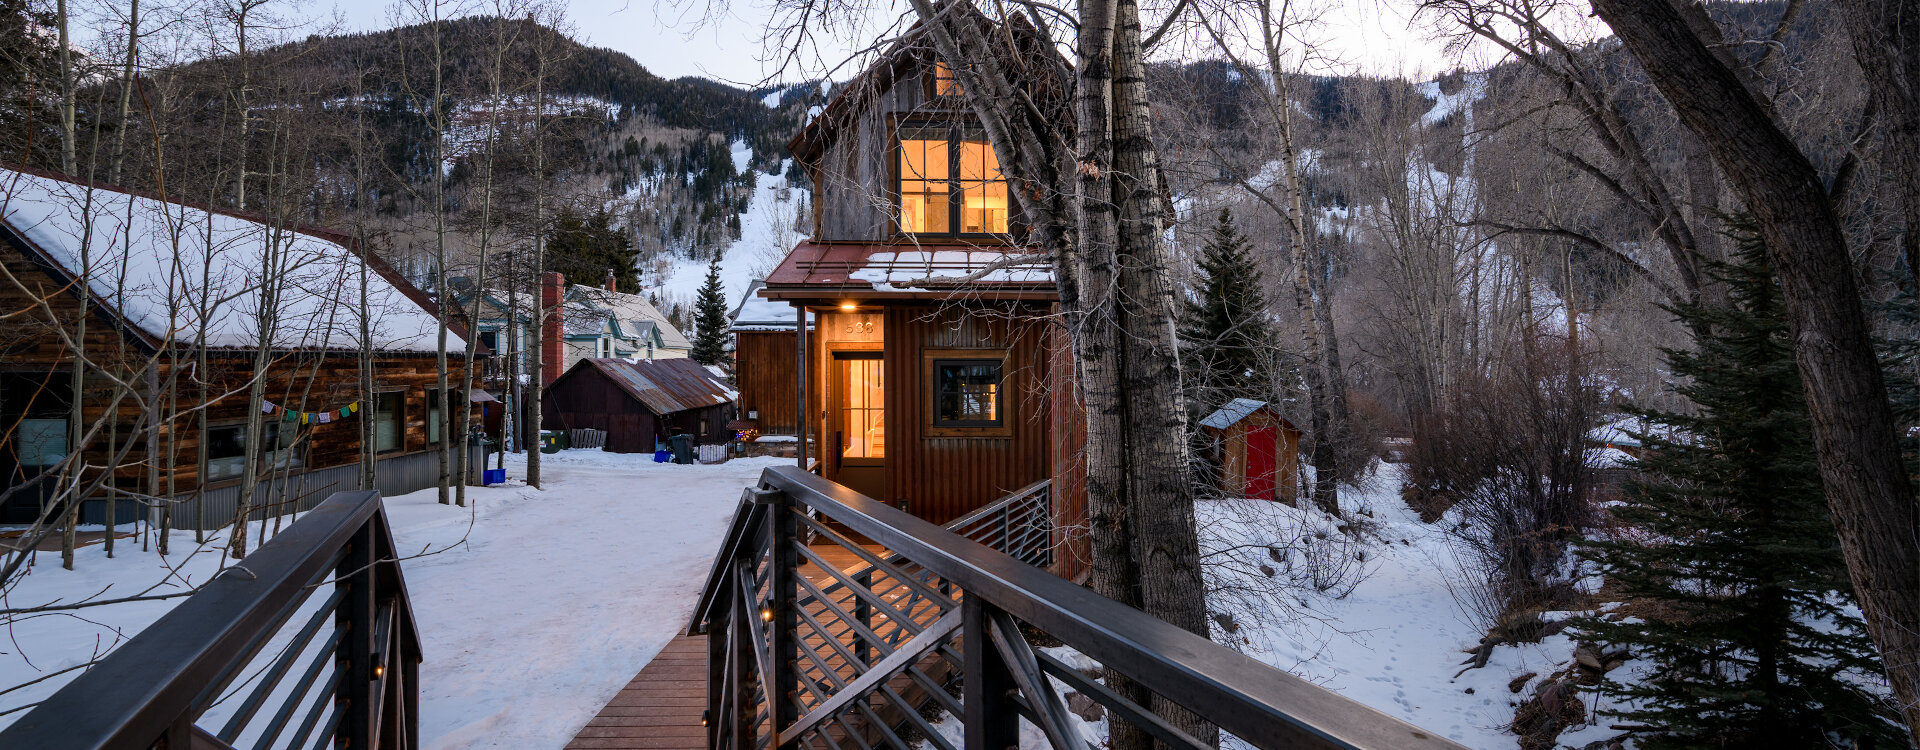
<point x="535" y="606"/>
<point x="558" y="597"/>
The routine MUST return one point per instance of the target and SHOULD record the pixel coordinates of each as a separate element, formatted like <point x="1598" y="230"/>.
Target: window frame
<point x="274" y="423"/>
<point x="934" y="426"/>
<point x="399" y="420"/>
<point x="432" y="405"/>
<point x="960" y="130"/>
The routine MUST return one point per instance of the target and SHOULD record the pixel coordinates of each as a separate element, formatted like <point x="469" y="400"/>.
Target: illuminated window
<point x="925" y="191"/>
<point x="933" y="201"/>
<point x="944" y="84"/>
<point x="863" y="424"/>
<point x="967" y="392"/>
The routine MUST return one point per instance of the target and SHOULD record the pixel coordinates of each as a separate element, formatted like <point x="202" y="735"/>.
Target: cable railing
<point x="947" y="640"/>
<point x="307" y="643"/>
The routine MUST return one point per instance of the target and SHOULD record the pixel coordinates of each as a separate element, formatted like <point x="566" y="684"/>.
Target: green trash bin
<point x="682" y="448"/>
<point x="552" y="441"/>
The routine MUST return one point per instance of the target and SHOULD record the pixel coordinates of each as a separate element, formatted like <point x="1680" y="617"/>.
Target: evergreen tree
<point x="710" y="319"/>
<point x="583" y="250"/>
<point x="1225" y="338"/>
<point x="1739" y="589"/>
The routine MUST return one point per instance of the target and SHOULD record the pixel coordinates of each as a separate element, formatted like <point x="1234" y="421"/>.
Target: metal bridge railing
<point x="254" y="657"/>
<point x="802" y="655"/>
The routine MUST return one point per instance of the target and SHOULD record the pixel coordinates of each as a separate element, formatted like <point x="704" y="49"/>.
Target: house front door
<point x="858" y="424"/>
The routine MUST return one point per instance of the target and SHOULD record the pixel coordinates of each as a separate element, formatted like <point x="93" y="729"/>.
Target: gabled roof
<point x="629" y="314"/>
<point x="912" y="49"/>
<point x="148" y="264"/>
<point x="1236" y="410"/>
<point x="664" y="386"/>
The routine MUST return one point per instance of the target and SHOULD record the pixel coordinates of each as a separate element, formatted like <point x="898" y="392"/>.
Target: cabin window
<point x="389" y="413"/>
<point x="436" y="423"/>
<point x="280" y="447"/>
<point x="944" y="82"/>
<point x="490" y="340"/>
<point x="950" y="183"/>
<point x="968" y="392"/>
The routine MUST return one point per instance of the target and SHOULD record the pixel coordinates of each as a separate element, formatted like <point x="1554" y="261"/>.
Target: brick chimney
<point x="612" y="284"/>
<point x="552" y="347"/>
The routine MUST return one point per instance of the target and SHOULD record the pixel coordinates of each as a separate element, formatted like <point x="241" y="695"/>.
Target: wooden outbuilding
<point x="766" y="362"/>
<point x="178" y="301"/>
<point x="1256" y="450"/>
<point x="936" y="377"/>
<point x="640" y="403"/>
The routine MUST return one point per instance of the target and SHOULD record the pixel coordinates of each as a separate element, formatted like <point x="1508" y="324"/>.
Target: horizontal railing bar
<point x="998" y="505"/>
<point x="890" y="612"/>
<point x="745" y="518"/>
<point x="1254" y="701"/>
<point x="896" y="661"/>
<point x="137" y="692"/>
<point x="272" y="678"/>
<point x="1132" y="713"/>
<point x="321" y="701"/>
<point x="1018" y="656"/>
<point x="320" y="661"/>
<point x="873" y="561"/>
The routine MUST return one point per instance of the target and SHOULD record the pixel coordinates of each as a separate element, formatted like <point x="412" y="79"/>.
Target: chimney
<point x="552" y="347"/>
<point x="612" y="285"/>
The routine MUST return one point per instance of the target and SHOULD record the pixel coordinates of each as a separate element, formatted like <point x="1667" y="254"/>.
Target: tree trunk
<point x="1867" y="487"/>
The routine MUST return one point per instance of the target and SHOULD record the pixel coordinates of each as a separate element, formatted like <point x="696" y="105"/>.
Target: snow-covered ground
<point x="767" y="233"/>
<point x="1395" y="640"/>
<point x="535" y="606"/>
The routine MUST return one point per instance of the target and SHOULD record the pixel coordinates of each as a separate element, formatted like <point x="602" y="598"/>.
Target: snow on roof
<point x="665" y="386"/>
<point x="151" y="262"/>
<point x="756" y="313"/>
<point x="627" y="311"/>
<point x="911" y="265"/>
<point x="1234" y="411"/>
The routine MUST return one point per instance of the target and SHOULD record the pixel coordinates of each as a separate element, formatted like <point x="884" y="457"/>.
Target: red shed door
<point x="1263" y="445"/>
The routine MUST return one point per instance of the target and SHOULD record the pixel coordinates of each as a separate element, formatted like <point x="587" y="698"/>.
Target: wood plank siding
<point x="764" y="372"/>
<point x="180" y="396"/>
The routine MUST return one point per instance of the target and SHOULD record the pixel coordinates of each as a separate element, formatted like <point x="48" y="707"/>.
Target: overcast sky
<point x="1371" y="36"/>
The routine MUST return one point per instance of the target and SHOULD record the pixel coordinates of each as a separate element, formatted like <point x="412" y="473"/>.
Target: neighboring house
<point x="764" y="362"/>
<point x="935" y="393"/>
<point x="168" y="283"/>
<point x="640" y="403"/>
<point x="604" y="322"/>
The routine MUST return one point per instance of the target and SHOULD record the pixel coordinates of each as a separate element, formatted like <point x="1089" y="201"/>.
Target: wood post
<point x="783" y="649"/>
<point x="992" y="720"/>
<point x="800" y="381"/>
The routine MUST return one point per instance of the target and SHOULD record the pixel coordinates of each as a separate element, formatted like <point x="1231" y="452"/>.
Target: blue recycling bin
<point x="491" y="477"/>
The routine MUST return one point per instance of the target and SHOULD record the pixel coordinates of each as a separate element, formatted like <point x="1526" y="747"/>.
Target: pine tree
<point x="710" y="319"/>
<point x="1735" y="576"/>
<point x="1225" y="338"/>
<point x="584" y="250"/>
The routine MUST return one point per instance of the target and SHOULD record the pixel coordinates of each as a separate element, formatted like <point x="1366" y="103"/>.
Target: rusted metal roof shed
<point x="641" y="402"/>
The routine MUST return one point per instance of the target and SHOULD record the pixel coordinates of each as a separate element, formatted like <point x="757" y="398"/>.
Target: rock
<point x="1520" y="683"/>
<point x="1085" y="708"/>
<point x="1469" y="690"/>
<point x="1613" y="665"/>
<point x="1588" y="655"/>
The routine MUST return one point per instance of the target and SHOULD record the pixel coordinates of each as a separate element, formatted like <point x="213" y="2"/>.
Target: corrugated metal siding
<point x="665" y="385"/>
<point x="944" y="478"/>
<point x="396" y="475"/>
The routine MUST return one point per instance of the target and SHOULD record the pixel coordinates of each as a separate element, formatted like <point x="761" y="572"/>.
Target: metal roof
<point x="1234" y="411"/>
<point x="664" y="386"/>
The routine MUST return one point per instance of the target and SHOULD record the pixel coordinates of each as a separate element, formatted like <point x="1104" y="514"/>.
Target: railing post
<point x="783" y="565"/>
<point x="992" y="717"/>
<point x="354" y="619"/>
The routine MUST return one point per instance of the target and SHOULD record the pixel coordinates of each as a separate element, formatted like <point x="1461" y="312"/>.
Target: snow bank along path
<point x="535" y="606"/>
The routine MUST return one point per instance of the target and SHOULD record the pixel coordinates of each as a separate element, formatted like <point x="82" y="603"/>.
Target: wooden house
<point x="766" y="363"/>
<point x="934" y="379"/>
<point x="1255" y="450"/>
<point x="640" y="403"/>
<point x="176" y="301"/>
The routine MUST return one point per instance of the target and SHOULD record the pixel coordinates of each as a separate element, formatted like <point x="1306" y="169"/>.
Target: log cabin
<point x="176" y="300"/>
<point x="934" y="378"/>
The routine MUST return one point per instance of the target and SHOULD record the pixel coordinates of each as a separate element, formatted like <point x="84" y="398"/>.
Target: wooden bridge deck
<point x="660" y="708"/>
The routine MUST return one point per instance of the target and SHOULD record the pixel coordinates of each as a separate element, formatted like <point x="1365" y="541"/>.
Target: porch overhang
<point x="829" y="273"/>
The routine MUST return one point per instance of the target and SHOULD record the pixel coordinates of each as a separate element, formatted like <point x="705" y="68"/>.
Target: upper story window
<point x="944" y="82"/>
<point x="950" y="183"/>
